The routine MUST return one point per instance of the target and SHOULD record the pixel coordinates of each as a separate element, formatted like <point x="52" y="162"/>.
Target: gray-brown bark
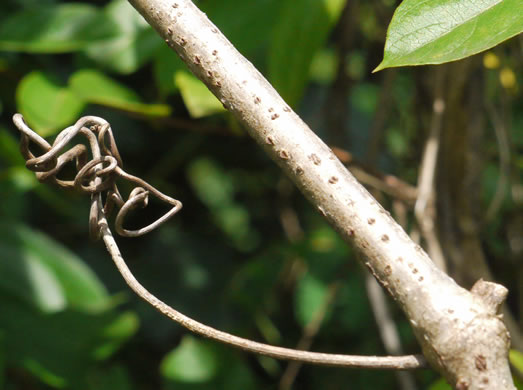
<point x="460" y="332"/>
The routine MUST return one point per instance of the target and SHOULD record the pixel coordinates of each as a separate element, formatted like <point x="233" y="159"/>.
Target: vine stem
<point x="375" y="362"/>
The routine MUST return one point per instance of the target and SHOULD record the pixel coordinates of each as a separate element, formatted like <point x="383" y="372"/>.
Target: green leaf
<point x="51" y="28"/>
<point x="193" y="361"/>
<point x="131" y="46"/>
<point x="254" y="21"/>
<point x="47" y="106"/>
<point x="95" y="87"/>
<point x="58" y="348"/>
<point x="516" y="359"/>
<point x="303" y="27"/>
<point x="166" y="64"/>
<point x="440" y="384"/>
<point x="80" y="287"/>
<point x="438" y="31"/>
<point x="27" y="278"/>
<point x="310" y="296"/>
<point x="198" y="99"/>
<point x="115" y="334"/>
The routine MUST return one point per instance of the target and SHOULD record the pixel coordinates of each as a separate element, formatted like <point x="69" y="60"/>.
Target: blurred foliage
<point x="247" y="254"/>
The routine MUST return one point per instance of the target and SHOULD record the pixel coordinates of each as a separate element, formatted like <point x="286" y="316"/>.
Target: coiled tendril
<point x="96" y="176"/>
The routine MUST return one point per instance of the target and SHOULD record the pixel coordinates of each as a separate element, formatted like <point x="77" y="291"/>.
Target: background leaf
<point x="311" y="294"/>
<point x="193" y="361"/>
<point x="198" y="99"/>
<point x="133" y="43"/>
<point x="435" y="31"/>
<point x="52" y="28"/>
<point x="22" y="246"/>
<point x="46" y="105"/>
<point x="302" y="28"/>
<point x="95" y="87"/>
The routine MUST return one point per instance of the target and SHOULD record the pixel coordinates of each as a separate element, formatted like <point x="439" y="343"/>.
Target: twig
<point x="424" y="207"/>
<point x="388" y="331"/>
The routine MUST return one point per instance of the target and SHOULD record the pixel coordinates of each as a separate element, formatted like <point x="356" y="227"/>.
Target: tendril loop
<point x="94" y="176"/>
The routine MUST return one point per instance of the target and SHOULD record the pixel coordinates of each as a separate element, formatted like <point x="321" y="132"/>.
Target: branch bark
<point x="459" y="331"/>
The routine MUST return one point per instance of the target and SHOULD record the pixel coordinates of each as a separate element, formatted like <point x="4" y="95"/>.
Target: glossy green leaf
<point x="198" y="99"/>
<point x="310" y="296"/>
<point x="47" y="106"/>
<point x="52" y="28"/>
<point x="131" y="46"/>
<point x="95" y="87"/>
<point x="438" y="31"/>
<point x="516" y="359"/>
<point x="303" y="27"/>
<point x="193" y="361"/>
<point x="24" y="251"/>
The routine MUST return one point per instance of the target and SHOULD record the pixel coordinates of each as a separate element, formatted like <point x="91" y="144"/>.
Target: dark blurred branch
<point x="370" y="177"/>
<point x="424" y="209"/>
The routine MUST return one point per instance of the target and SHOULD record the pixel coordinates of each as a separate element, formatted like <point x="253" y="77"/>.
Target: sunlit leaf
<point x="47" y="106"/>
<point x="198" y="99"/>
<point x="131" y="46"/>
<point x="438" y="31"/>
<point x="95" y="87"/>
<point x="52" y="28"/>
<point x="303" y="27"/>
<point x="193" y="361"/>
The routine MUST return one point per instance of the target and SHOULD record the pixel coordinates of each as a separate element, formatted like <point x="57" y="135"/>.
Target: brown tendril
<point x="95" y="176"/>
<point x="98" y="175"/>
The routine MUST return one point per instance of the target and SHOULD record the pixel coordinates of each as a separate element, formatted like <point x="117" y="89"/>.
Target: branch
<point x="459" y="331"/>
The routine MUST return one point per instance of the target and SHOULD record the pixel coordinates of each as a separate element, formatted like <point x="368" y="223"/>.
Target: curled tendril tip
<point x="95" y="176"/>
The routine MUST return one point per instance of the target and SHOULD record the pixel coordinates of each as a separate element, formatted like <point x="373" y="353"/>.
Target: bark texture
<point x="460" y="332"/>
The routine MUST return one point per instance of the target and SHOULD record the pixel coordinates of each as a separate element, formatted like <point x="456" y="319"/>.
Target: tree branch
<point x="459" y="331"/>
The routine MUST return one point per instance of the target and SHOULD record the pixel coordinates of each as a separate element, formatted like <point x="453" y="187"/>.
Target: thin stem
<point x="375" y="362"/>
